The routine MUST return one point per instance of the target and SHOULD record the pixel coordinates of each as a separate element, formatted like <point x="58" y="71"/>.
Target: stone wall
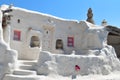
<point x="115" y="42"/>
<point x="8" y="57"/>
<point x="77" y="36"/>
<point x="101" y="61"/>
<point x="51" y="29"/>
<point x="114" y="38"/>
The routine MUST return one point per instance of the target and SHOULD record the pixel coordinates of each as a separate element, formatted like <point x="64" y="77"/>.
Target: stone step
<point x="24" y="72"/>
<point x="26" y="67"/>
<point x="21" y="77"/>
<point x="27" y="62"/>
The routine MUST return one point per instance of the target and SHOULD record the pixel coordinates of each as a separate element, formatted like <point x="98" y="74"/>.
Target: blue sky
<point x="74" y="9"/>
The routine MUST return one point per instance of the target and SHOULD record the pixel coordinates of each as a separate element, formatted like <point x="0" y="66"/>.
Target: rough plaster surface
<point x="101" y="61"/>
<point x="8" y="56"/>
<point x="49" y="29"/>
<point x="90" y="52"/>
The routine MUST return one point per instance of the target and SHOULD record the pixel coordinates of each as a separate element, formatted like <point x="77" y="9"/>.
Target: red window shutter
<point x="70" y="42"/>
<point x="17" y="35"/>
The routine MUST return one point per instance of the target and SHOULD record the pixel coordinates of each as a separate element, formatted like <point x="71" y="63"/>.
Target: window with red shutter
<point x="17" y="35"/>
<point x="70" y="41"/>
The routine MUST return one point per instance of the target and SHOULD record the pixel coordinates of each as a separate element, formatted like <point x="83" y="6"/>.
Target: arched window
<point x="59" y="44"/>
<point x="35" y="42"/>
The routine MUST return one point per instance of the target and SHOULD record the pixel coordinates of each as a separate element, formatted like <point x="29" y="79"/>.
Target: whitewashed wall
<point x="51" y="29"/>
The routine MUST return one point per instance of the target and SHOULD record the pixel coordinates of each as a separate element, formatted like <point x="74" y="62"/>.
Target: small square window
<point x="17" y="35"/>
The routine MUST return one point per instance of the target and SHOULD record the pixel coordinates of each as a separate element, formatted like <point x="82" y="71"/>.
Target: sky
<point x="74" y="9"/>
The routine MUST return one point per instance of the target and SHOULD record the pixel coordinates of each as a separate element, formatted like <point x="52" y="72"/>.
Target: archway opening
<point x="35" y="41"/>
<point x="59" y="44"/>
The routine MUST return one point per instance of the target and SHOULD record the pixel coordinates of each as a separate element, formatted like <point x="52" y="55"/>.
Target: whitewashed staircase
<point x="24" y="71"/>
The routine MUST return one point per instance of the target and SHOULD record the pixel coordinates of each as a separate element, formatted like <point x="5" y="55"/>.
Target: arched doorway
<point x="35" y="41"/>
<point x="33" y="44"/>
<point x="59" y="44"/>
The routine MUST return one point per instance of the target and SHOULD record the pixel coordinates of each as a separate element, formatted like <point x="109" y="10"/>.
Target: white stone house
<point x="47" y="45"/>
<point x="30" y="32"/>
